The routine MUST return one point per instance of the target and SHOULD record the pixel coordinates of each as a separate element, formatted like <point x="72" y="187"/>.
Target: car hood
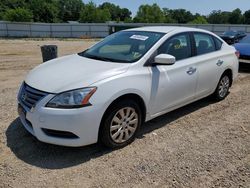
<point x="71" y="72"/>
<point x="243" y="48"/>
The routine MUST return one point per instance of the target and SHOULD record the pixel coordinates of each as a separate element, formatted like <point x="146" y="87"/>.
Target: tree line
<point x="56" y="11"/>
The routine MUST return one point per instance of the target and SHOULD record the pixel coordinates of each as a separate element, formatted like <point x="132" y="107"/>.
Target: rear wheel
<point x="223" y="88"/>
<point x="121" y="124"/>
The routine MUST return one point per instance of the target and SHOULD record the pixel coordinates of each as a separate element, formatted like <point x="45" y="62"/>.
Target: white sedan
<point x="106" y="92"/>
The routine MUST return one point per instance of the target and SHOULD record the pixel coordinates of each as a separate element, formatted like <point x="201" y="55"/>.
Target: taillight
<point x="237" y="53"/>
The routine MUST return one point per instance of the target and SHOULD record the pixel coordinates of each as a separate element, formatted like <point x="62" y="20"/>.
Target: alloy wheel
<point x="124" y="125"/>
<point x="224" y="86"/>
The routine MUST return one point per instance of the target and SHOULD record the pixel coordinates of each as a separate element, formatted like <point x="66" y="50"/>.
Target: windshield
<point x="229" y="33"/>
<point x="245" y="39"/>
<point x="123" y="47"/>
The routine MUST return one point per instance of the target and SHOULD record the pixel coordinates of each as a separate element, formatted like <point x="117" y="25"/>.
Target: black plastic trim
<point x="59" y="134"/>
<point x="68" y="106"/>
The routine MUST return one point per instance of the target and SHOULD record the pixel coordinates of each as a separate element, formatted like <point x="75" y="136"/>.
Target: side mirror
<point x="164" y="59"/>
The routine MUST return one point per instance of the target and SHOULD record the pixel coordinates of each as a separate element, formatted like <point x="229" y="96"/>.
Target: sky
<point x="195" y="6"/>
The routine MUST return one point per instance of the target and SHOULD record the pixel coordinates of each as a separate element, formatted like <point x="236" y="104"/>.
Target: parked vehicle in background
<point x="241" y="34"/>
<point x="106" y="92"/>
<point x="232" y="37"/>
<point x="243" y="46"/>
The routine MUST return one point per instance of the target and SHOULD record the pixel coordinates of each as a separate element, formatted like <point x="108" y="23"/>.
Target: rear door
<point x="209" y="62"/>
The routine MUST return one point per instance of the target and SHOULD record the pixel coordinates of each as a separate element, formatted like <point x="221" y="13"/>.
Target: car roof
<point x="166" y="29"/>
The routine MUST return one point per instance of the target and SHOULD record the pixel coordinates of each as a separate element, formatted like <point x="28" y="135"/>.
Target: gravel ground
<point x="204" y="144"/>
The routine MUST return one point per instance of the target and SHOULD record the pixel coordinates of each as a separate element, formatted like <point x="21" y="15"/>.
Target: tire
<point x="121" y="124"/>
<point x="222" y="88"/>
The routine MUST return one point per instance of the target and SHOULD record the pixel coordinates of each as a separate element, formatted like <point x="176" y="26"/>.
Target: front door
<point x="174" y="85"/>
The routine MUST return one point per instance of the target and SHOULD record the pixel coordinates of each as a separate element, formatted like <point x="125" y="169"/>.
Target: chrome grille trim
<point x="29" y="96"/>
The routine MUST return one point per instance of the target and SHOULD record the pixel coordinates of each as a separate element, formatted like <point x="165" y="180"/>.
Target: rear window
<point x="218" y="43"/>
<point x="204" y="43"/>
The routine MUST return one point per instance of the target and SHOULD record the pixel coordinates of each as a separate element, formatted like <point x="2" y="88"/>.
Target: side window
<point x="218" y="43"/>
<point x="204" y="43"/>
<point x="177" y="46"/>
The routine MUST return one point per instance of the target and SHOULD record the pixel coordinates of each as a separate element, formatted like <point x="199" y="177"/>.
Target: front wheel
<point x="222" y="89"/>
<point x="121" y="124"/>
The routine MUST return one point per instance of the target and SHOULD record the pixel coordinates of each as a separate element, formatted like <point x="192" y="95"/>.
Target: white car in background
<point x="106" y="92"/>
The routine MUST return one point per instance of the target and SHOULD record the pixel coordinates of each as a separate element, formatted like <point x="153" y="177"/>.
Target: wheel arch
<point x="132" y="96"/>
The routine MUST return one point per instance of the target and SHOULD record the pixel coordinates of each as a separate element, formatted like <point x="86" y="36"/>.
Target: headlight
<point x="72" y="99"/>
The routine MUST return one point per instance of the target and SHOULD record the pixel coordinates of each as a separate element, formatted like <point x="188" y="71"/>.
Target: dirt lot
<point x="204" y="144"/>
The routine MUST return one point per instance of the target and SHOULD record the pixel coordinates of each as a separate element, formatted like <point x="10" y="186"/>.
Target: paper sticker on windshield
<point x="139" y="37"/>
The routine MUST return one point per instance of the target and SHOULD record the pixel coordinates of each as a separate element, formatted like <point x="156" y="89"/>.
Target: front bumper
<point x="82" y="123"/>
<point x="244" y="59"/>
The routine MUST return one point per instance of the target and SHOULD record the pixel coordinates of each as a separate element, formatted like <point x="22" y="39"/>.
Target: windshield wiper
<point x="95" y="57"/>
<point x="104" y="58"/>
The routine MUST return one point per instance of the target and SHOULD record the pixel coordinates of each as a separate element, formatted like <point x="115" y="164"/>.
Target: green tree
<point x="18" y="15"/>
<point x="181" y="15"/>
<point x="167" y="15"/>
<point x="218" y="17"/>
<point x="44" y="10"/>
<point x="112" y="8"/>
<point x="125" y="14"/>
<point x="69" y="10"/>
<point x="247" y="17"/>
<point x="117" y="13"/>
<point x="149" y="14"/>
<point x="128" y="20"/>
<point x="10" y="4"/>
<point x="199" y="20"/>
<point x="91" y="14"/>
<point x="236" y="17"/>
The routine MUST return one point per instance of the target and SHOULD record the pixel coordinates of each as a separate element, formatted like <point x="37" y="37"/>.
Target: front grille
<point x="29" y="96"/>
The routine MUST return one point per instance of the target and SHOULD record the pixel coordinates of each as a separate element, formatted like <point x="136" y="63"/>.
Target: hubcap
<point x="123" y="125"/>
<point x="224" y="86"/>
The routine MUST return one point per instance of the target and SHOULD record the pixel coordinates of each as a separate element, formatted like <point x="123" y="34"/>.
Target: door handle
<point x="191" y="70"/>
<point x="220" y="62"/>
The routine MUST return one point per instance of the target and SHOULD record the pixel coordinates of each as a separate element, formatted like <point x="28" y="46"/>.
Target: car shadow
<point x="28" y="149"/>
<point x="244" y="68"/>
<point x="174" y="115"/>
